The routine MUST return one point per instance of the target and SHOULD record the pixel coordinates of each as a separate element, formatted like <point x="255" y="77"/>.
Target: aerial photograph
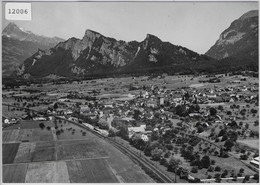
<point x="130" y="92"/>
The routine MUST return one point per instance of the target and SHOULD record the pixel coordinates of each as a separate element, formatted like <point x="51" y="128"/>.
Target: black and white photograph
<point x="130" y="92"/>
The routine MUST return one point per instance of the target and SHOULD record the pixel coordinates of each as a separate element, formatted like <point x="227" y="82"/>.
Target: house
<point x="152" y="104"/>
<point x="133" y="130"/>
<point x="255" y="162"/>
<point x="5" y="120"/>
<point x="26" y="117"/>
<point x="39" y="119"/>
<point x="108" y="104"/>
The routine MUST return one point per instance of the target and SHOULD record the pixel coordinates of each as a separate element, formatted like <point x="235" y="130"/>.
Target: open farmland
<point x="253" y="143"/>
<point x="33" y="155"/>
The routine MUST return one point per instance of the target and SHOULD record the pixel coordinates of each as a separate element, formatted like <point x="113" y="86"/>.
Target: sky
<point x="194" y="25"/>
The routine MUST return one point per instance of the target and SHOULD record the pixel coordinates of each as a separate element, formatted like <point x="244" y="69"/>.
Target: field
<point x="34" y="155"/>
<point x="53" y="172"/>
<point x="91" y="171"/>
<point x="9" y="152"/>
<point x="14" y="173"/>
<point x="253" y="143"/>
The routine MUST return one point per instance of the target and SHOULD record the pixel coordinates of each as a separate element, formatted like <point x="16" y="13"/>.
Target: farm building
<point x="133" y="130"/>
<point x="255" y="161"/>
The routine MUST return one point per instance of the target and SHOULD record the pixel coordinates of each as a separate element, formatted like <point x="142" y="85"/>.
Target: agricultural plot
<point x="29" y="124"/>
<point x="126" y="170"/>
<point x="26" y="135"/>
<point x="9" y="152"/>
<point x="44" y="151"/>
<point x="72" y="132"/>
<point x="13" y="113"/>
<point x="42" y="135"/>
<point x="14" y="173"/>
<point x="10" y="135"/>
<point x="24" y="152"/>
<point x="90" y="171"/>
<point x="81" y="150"/>
<point x="53" y="172"/>
<point x="253" y="143"/>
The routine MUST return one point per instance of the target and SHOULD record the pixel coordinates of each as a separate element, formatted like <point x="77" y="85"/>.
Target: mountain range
<point x="19" y="44"/>
<point x="97" y="55"/>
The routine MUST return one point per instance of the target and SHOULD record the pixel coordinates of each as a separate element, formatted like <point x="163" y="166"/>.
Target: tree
<point x="241" y="170"/>
<point x="136" y="114"/>
<point x="246" y="125"/>
<point x="163" y="161"/>
<point x="247" y="177"/>
<point x="173" y="164"/>
<point x="205" y="162"/>
<point x="194" y="169"/>
<point x="229" y="144"/>
<point x="217" y="169"/>
<point x="212" y="111"/>
<point x="212" y="162"/>
<point x="210" y="168"/>
<point x="243" y="157"/>
<point x="200" y="129"/>
<point x="224" y="137"/>
<point x="256" y="176"/>
<point x="156" y="154"/>
<point x="154" y="136"/>
<point x="41" y="125"/>
<point x="220" y="107"/>
<point x="55" y="106"/>
<point x="234" y="178"/>
<point x="224" y="174"/>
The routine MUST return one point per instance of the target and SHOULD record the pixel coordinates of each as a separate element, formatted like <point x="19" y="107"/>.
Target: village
<point x="202" y="128"/>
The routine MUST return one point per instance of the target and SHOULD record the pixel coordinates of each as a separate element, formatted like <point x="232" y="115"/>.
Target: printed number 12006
<point x="17" y="11"/>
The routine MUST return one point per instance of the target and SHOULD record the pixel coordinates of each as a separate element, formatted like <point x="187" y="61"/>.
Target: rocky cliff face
<point x="18" y="45"/>
<point x="241" y="38"/>
<point x="96" y="54"/>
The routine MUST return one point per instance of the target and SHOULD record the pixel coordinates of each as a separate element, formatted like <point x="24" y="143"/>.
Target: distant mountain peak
<point x="19" y="44"/>
<point x="152" y="37"/>
<point x="12" y="29"/>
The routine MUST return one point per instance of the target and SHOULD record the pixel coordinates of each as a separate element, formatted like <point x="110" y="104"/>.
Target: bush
<point x="243" y="157"/>
<point x="210" y="168"/>
<point x="234" y="178"/>
<point x="163" y="161"/>
<point x="256" y="176"/>
<point x="241" y="170"/>
<point x="212" y="162"/>
<point x="247" y="177"/>
<point x="194" y="169"/>
<point x="256" y="155"/>
<point x="217" y="169"/>
<point x="41" y="125"/>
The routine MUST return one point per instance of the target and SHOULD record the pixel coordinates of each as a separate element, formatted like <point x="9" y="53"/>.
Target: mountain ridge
<point x="98" y="54"/>
<point x="240" y="36"/>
